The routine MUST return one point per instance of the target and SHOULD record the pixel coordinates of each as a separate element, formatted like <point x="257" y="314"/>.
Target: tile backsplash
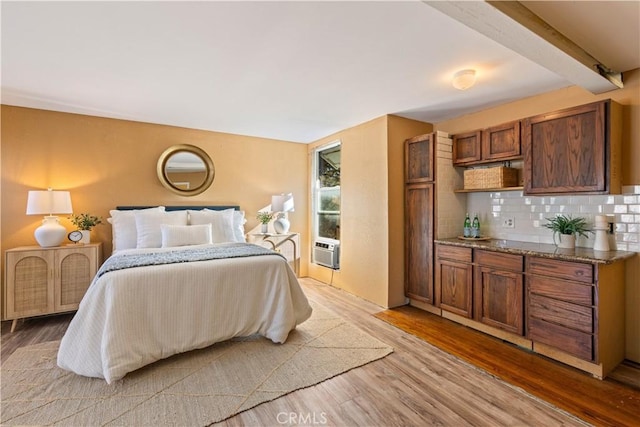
<point x="530" y="212"/>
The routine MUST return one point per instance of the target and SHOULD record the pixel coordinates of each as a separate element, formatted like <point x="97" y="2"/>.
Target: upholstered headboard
<point x="181" y="208"/>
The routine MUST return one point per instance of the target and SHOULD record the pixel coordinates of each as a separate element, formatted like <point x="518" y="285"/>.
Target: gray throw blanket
<point x="233" y="250"/>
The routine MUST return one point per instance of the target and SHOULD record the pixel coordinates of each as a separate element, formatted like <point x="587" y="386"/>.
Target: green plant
<point x="565" y="224"/>
<point x="265" y="217"/>
<point x="85" y="221"/>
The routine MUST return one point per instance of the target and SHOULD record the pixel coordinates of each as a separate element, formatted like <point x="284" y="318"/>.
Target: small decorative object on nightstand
<point x="265" y="218"/>
<point x="85" y="222"/>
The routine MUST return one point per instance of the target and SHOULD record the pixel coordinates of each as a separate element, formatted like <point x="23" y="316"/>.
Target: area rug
<point x="196" y="388"/>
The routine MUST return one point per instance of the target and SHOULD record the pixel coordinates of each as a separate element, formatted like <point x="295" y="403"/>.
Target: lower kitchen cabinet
<point x="575" y="312"/>
<point x="454" y="280"/>
<point x="570" y="311"/>
<point x="48" y="280"/>
<point x="499" y="291"/>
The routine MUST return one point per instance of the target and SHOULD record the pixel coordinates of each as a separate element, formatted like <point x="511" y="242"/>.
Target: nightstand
<point x="277" y="240"/>
<point x="48" y="280"/>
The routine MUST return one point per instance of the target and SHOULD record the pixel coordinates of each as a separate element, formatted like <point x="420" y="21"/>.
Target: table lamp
<point x="51" y="232"/>
<point x="282" y="203"/>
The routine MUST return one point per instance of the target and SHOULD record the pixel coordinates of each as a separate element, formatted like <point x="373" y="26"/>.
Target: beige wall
<point x="629" y="98"/>
<point x="372" y="211"/>
<point x="106" y="163"/>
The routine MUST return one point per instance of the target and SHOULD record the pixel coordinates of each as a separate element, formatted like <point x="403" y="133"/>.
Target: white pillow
<point x="221" y="223"/>
<point x="124" y="233"/>
<point x="185" y="235"/>
<point x="148" y="226"/>
<point x="238" y="225"/>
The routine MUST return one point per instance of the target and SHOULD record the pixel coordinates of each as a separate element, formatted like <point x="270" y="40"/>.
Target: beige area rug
<point x="196" y="388"/>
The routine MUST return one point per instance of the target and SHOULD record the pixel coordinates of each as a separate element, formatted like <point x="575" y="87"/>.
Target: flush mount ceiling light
<point x="464" y="79"/>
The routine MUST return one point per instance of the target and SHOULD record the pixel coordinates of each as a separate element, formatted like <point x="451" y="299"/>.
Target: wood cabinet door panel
<point x="455" y="287"/>
<point x="562" y="313"/>
<point x="467" y="147"/>
<point x="564" y="151"/>
<point x="418" y="160"/>
<point x="500" y="260"/>
<point x="568" y="340"/>
<point x="499" y="299"/>
<point x="419" y="242"/>
<point x="501" y="142"/>
<point x="454" y="253"/>
<point x="560" y="269"/>
<point x="574" y="292"/>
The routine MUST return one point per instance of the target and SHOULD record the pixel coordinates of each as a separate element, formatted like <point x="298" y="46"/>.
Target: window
<point x="326" y="192"/>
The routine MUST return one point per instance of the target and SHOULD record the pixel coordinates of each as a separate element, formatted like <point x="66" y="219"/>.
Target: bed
<point x="186" y="284"/>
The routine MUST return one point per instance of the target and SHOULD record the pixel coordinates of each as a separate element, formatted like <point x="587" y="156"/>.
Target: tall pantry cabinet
<point x="432" y="210"/>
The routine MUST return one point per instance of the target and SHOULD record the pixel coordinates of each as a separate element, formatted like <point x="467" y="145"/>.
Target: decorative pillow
<point x="148" y="226"/>
<point x="221" y="223"/>
<point x="124" y="233"/>
<point x="185" y="235"/>
<point x="238" y="225"/>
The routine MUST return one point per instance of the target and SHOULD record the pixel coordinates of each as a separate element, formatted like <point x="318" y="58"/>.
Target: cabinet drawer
<point x="561" y="313"/>
<point x="453" y="252"/>
<point x="559" y="269"/>
<point x="499" y="260"/>
<point x="568" y="340"/>
<point x="575" y="292"/>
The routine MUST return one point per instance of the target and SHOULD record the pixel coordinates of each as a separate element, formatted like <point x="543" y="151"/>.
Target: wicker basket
<point x="498" y="177"/>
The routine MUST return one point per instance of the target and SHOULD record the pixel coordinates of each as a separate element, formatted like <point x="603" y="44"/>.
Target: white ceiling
<point x="295" y="71"/>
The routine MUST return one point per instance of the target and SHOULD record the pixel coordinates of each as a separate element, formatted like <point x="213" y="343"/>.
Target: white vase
<point x="86" y="236"/>
<point x="566" y="241"/>
<point x="264" y="228"/>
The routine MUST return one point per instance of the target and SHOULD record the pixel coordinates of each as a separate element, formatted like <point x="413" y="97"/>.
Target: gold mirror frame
<point x="185" y="148"/>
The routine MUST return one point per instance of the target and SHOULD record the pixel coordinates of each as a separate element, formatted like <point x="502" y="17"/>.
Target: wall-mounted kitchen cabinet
<point x="573" y="151"/>
<point x="419" y="156"/>
<point x="495" y="144"/>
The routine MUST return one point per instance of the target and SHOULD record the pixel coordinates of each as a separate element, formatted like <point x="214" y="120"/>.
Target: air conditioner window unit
<point x="327" y="254"/>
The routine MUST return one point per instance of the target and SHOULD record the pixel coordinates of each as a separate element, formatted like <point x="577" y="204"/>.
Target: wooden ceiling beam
<point x="514" y="26"/>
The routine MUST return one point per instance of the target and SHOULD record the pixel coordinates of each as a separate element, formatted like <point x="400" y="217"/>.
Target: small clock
<point x="75" y="236"/>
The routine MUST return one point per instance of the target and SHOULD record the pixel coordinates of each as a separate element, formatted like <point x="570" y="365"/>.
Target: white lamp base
<point x="50" y="233"/>
<point x="281" y="225"/>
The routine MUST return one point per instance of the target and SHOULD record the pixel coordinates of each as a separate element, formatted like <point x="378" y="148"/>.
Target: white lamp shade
<point x="282" y="203"/>
<point x="49" y="202"/>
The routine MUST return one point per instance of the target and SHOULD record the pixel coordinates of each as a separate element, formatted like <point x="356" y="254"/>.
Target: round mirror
<point x="185" y="169"/>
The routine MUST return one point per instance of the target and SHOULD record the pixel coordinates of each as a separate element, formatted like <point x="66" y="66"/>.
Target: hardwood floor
<point x="417" y="385"/>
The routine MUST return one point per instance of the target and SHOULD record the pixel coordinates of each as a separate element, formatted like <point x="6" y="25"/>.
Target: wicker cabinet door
<point x="75" y="268"/>
<point x="29" y="283"/>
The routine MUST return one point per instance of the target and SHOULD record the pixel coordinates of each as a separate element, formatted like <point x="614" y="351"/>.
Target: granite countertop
<point x="541" y="250"/>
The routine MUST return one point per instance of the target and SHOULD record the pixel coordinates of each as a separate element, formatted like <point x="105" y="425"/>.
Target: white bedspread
<point x="133" y="317"/>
